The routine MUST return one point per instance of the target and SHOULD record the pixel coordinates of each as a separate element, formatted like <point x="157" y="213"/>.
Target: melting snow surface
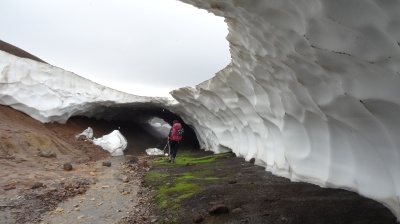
<point x="154" y="152"/>
<point x="312" y="92"/>
<point x="114" y="142"/>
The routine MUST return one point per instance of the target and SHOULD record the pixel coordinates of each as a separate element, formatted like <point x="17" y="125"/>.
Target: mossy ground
<point x="177" y="181"/>
<point x="199" y="180"/>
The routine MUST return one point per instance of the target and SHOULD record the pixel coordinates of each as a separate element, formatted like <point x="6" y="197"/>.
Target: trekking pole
<point x="166" y="147"/>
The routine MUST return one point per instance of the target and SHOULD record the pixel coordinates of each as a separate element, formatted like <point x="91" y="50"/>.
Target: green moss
<point x="153" y="176"/>
<point x="173" y="187"/>
<point x="211" y="178"/>
<point x="185" y="157"/>
<point x="169" y="196"/>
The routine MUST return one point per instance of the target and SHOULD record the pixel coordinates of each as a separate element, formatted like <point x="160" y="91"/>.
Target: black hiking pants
<point x="173" y="148"/>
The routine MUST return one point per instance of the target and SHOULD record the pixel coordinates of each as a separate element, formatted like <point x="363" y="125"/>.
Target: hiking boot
<point x="169" y="160"/>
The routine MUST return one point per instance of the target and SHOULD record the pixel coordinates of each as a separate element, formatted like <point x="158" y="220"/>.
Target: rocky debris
<point x="106" y="163"/>
<point x="218" y="209"/>
<point x="76" y="185"/>
<point x="47" y="154"/>
<point x="28" y="208"/>
<point x="67" y="166"/>
<point x="134" y="160"/>
<point x="141" y="212"/>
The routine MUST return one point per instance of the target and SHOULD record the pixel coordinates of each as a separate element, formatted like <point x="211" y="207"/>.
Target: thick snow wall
<point x="51" y="94"/>
<point x="312" y="92"/>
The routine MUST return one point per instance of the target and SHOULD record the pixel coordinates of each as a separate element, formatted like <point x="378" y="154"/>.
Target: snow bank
<point x="114" y="142"/>
<point x="312" y="92"/>
<point x="49" y="94"/>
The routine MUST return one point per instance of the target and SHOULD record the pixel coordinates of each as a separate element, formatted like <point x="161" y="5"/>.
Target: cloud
<point x="161" y="43"/>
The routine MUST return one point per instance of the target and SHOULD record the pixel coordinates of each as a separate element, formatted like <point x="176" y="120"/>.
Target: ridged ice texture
<point x="49" y="94"/>
<point x="312" y="92"/>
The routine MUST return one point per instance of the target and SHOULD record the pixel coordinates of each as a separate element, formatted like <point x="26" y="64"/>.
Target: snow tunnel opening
<point x="137" y="124"/>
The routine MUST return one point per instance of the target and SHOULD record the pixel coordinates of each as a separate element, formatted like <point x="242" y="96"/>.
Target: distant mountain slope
<point x="11" y="49"/>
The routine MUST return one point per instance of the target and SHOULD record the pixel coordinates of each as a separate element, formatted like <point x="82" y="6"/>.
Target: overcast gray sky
<point x="145" y="47"/>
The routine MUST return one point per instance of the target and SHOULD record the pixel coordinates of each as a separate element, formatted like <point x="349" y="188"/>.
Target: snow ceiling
<point x="312" y="92"/>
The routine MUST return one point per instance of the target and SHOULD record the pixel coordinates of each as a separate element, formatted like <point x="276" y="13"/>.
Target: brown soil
<point x="32" y="185"/>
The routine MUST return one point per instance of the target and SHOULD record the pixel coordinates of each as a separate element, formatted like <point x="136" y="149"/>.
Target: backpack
<point x="181" y="131"/>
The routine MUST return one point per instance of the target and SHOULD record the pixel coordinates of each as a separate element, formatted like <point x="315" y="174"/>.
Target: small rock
<point x="232" y="182"/>
<point x="82" y="190"/>
<point x="47" y="154"/>
<point x="125" y="179"/>
<point x="37" y="185"/>
<point x="106" y="163"/>
<point x="197" y="218"/>
<point x="67" y="166"/>
<point x="9" y="187"/>
<point x="59" y="209"/>
<point x="134" y="160"/>
<point x="252" y="160"/>
<point x="219" y="209"/>
<point x="236" y="210"/>
<point x="153" y="220"/>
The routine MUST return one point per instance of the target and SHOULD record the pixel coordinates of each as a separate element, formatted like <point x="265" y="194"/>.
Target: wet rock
<point x="106" y="163"/>
<point x="47" y="154"/>
<point x="67" y="166"/>
<point x="197" y="218"/>
<point x="219" y="209"/>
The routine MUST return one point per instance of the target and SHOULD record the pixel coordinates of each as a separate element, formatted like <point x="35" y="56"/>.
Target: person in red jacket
<point x="174" y="137"/>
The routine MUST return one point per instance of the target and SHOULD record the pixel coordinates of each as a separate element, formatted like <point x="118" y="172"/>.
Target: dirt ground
<point x="33" y="181"/>
<point x="230" y="190"/>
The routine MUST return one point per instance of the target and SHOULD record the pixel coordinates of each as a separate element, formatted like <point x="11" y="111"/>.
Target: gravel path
<point x="108" y="200"/>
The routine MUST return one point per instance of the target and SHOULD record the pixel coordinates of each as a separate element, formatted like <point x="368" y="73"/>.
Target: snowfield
<point x="312" y="92"/>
